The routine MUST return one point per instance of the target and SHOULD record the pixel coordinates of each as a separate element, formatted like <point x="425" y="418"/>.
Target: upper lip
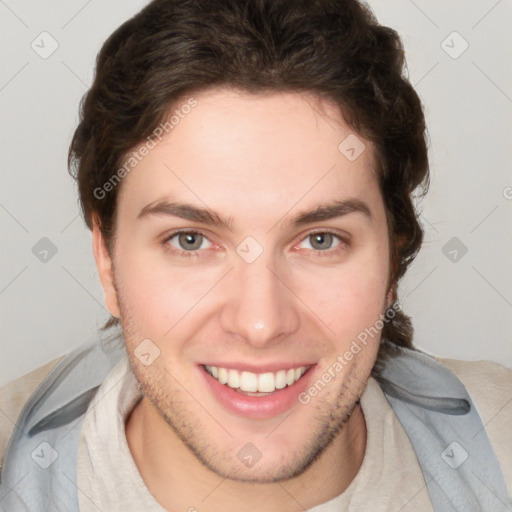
<point x="262" y="368"/>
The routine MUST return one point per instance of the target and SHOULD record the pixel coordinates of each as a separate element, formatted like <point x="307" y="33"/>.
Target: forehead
<point x="247" y="154"/>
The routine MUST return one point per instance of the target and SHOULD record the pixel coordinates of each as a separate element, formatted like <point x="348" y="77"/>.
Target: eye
<point x="188" y="241"/>
<point x="322" y="241"/>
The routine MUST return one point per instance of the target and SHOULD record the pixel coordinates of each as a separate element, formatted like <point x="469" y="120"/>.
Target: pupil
<point x="190" y="241"/>
<point x="323" y="239"/>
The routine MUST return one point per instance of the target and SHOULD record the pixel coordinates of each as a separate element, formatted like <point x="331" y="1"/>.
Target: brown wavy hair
<point x="335" y="49"/>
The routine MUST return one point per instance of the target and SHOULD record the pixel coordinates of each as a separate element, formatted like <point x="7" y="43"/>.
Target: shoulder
<point x="43" y="404"/>
<point x="488" y="383"/>
<point x="14" y="395"/>
<point x="490" y="386"/>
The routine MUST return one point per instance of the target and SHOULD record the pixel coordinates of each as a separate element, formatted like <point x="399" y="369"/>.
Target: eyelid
<point x="343" y="235"/>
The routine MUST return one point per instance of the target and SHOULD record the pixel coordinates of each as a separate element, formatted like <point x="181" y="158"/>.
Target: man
<point x="246" y="169"/>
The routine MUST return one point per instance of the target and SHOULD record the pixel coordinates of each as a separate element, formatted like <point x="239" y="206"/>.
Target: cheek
<point x="352" y="297"/>
<point x="156" y="294"/>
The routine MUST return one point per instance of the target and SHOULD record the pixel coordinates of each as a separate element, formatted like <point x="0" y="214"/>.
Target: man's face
<point x="263" y="295"/>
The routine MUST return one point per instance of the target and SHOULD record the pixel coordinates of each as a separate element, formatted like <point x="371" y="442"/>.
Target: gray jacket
<point x="459" y="465"/>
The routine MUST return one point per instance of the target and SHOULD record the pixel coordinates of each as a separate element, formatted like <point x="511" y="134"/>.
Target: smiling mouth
<point x="256" y="384"/>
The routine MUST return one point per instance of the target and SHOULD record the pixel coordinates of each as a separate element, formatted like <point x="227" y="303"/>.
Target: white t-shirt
<point x="389" y="479"/>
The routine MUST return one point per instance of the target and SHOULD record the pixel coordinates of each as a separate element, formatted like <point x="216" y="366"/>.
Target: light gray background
<point x="461" y="309"/>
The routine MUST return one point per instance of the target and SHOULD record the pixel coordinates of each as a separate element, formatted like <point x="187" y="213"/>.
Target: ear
<point x="390" y="297"/>
<point x="105" y="267"/>
<point x="392" y="292"/>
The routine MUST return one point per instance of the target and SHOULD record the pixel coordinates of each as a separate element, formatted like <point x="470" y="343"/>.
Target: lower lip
<point x="265" y="406"/>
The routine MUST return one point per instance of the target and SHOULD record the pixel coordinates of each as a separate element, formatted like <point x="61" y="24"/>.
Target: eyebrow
<point x="206" y="216"/>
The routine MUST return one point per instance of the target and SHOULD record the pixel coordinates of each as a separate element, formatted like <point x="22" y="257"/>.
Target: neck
<point x="179" y="481"/>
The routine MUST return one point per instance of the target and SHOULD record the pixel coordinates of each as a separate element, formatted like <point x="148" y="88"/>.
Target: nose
<point x="260" y="306"/>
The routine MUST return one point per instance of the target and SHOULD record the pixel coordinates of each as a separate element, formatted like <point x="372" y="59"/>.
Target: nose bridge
<point x="259" y="307"/>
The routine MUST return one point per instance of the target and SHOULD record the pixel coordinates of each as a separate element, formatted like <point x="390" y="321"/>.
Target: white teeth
<point x="223" y="376"/>
<point x="233" y="379"/>
<point x="266" y="383"/>
<point x="281" y="379"/>
<point x="248" y="381"/>
<point x="251" y="382"/>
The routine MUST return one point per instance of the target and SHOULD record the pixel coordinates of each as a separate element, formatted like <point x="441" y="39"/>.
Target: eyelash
<point x="344" y="243"/>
